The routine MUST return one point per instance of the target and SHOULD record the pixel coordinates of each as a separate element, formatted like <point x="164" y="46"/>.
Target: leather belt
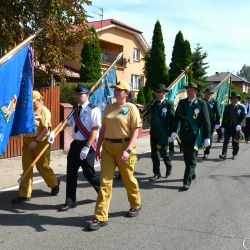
<point x="117" y="140"/>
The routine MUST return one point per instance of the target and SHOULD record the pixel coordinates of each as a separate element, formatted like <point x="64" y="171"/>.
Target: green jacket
<point x="233" y="116"/>
<point x="161" y="121"/>
<point x="192" y="120"/>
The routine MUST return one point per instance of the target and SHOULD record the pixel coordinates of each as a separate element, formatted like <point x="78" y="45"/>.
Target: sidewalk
<point x="11" y="168"/>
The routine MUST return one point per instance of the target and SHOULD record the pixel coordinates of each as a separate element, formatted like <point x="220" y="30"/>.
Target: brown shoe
<point x="96" y="224"/>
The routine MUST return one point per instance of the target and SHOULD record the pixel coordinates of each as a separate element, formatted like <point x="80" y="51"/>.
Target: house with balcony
<point x="240" y="83"/>
<point x="116" y="37"/>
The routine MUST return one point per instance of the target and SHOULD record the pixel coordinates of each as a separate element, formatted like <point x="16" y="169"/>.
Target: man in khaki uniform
<point x="32" y="146"/>
<point x="120" y="124"/>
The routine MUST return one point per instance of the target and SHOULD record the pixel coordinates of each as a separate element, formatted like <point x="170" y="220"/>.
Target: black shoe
<point x="167" y="174"/>
<point x="96" y="224"/>
<point x="205" y="156"/>
<point x="20" y="200"/>
<point x="55" y="190"/>
<point x="155" y="178"/>
<point x="133" y="212"/>
<point x="171" y="153"/>
<point x="223" y="157"/>
<point x="69" y="204"/>
<point x="194" y="177"/>
<point x="234" y="157"/>
<point x="185" y="188"/>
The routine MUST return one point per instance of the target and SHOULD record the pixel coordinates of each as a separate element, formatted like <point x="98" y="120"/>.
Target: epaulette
<point x="91" y="105"/>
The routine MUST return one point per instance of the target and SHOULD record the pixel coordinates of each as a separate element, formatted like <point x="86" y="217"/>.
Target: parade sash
<point x="82" y="129"/>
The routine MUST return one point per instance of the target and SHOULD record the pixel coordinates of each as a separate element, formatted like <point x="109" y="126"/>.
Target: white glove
<point x="170" y="139"/>
<point x="222" y="130"/>
<point x="206" y="142"/>
<point x="217" y="126"/>
<point x="173" y="136"/>
<point x="51" y="137"/>
<point x="238" y="128"/>
<point x="84" y="152"/>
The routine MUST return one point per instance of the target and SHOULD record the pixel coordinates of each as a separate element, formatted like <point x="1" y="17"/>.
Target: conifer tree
<point x="156" y="69"/>
<point x="90" y="70"/>
<point x="181" y="57"/>
<point x="199" y="67"/>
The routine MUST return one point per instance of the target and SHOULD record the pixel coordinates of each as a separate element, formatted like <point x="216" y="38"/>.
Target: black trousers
<point x="73" y="164"/>
<point x="247" y="129"/>
<point x="207" y="150"/>
<point x="235" y="141"/>
<point x="156" y="157"/>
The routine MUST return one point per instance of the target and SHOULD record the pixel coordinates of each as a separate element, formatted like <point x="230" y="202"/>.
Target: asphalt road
<point x="213" y="214"/>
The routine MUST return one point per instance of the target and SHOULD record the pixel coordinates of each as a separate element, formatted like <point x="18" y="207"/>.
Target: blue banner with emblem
<point x="104" y="95"/>
<point x="16" y="108"/>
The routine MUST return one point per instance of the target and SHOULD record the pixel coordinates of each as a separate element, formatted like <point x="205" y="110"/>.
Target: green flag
<point x="221" y="94"/>
<point x="177" y="89"/>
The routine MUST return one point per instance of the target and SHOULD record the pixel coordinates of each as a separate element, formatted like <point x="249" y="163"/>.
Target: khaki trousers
<point x="25" y="188"/>
<point x="111" y="153"/>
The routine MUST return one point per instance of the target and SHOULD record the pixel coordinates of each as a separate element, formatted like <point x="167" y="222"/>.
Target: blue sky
<point x="221" y="27"/>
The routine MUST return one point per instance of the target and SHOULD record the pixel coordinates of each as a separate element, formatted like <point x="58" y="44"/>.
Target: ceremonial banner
<point x="103" y="95"/>
<point x="16" y="108"/>
<point x="221" y="94"/>
<point x="177" y="89"/>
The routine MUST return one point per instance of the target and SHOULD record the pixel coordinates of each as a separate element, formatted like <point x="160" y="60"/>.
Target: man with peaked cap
<point x="247" y="126"/>
<point x="233" y="119"/>
<point x="213" y="115"/>
<point x="86" y="122"/>
<point x="192" y="118"/>
<point x="161" y="126"/>
<point x="32" y="145"/>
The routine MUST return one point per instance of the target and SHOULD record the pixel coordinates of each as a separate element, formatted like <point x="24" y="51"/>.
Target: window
<point x="136" y="81"/>
<point x="136" y="54"/>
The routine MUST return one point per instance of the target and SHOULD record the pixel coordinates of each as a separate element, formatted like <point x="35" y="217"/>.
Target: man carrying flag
<point x="214" y="117"/>
<point x="193" y="118"/>
<point x="86" y="122"/>
<point x="161" y="126"/>
<point x="33" y="143"/>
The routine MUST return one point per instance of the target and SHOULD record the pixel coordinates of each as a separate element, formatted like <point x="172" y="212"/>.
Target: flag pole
<point x="61" y="125"/>
<point x="168" y="88"/>
<point x="18" y="47"/>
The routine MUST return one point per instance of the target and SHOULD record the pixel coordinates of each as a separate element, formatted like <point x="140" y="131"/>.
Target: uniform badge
<point x="124" y="110"/>
<point x="164" y="112"/>
<point x="196" y="112"/>
<point x="238" y="111"/>
<point x="211" y="105"/>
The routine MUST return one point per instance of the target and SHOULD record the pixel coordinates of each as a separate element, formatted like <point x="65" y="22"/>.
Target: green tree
<point x="90" y="59"/>
<point x="141" y="97"/>
<point x="244" y="72"/>
<point x="63" y="23"/>
<point x="199" y="67"/>
<point x="155" y="60"/>
<point x="181" y="57"/>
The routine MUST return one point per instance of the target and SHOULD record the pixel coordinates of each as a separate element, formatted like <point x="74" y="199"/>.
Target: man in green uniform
<point x="192" y="118"/>
<point x="232" y="122"/>
<point x="161" y="126"/>
<point x="214" y="117"/>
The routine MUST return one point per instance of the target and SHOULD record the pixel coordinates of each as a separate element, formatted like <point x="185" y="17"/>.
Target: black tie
<point x="78" y="112"/>
<point x="247" y="108"/>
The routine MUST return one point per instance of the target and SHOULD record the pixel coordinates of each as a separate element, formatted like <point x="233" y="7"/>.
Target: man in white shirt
<point x="86" y="122"/>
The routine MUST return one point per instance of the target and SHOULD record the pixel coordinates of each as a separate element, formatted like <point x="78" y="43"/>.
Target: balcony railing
<point x="108" y="57"/>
